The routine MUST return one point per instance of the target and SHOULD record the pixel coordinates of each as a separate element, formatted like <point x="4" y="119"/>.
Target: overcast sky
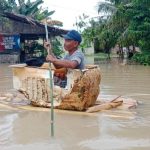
<point x="68" y="10"/>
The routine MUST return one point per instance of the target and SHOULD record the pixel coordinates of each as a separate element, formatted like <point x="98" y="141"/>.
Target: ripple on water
<point x="114" y="143"/>
<point x="6" y="128"/>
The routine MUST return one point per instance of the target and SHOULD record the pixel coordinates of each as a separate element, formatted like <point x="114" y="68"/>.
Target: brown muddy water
<point x="109" y="130"/>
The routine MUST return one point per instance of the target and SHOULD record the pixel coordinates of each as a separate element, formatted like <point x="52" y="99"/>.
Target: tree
<point x="140" y="28"/>
<point x="31" y="9"/>
<point x="7" y="5"/>
<point x="140" y="23"/>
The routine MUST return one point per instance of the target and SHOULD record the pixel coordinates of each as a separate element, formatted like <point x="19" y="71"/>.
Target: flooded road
<point x="109" y="130"/>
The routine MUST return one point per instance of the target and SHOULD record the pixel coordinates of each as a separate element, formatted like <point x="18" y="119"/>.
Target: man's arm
<point x="58" y="63"/>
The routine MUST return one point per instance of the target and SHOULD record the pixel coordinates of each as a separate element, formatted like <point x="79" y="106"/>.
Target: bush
<point x="142" y="58"/>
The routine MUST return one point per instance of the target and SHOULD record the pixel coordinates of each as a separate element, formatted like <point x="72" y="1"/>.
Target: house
<point x="15" y="29"/>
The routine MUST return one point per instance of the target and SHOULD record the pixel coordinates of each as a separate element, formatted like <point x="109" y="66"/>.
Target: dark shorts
<point x="60" y="82"/>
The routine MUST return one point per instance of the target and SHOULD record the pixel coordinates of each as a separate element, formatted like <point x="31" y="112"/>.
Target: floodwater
<point x="127" y="129"/>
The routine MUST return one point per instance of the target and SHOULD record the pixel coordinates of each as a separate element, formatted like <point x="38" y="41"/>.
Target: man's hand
<point x="47" y="46"/>
<point x="50" y="58"/>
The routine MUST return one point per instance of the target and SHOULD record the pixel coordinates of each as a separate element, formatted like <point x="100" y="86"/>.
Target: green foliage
<point x="28" y="8"/>
<point x="107" y="40"/>
<point x="57" y="47"/>
<point x="34" y="49"/>
<point x="142" y="58"/>
<point x="32" y="9"/>
<point x="7" y="5"/>
<point x="40" y="15"/>
<point x="37" y="49"/>
<point x="87" y="33"/>
<point x="140" y="28"/>
<point x="124" y="22"/>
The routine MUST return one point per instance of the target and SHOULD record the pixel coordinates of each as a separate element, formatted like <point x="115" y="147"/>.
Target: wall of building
<point x="9" y="58"/>
<point x="89" y="50"/>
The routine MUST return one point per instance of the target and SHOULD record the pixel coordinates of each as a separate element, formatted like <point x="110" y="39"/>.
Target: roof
<point x="28" y="20"/>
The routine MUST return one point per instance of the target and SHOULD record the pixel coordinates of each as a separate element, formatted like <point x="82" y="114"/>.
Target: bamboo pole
<point x="51" y="84"/>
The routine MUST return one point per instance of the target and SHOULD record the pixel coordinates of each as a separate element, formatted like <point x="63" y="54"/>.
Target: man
<point x="75" y="58"/>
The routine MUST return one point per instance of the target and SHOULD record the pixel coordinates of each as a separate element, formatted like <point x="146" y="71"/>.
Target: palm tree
<point x="117" y="21"/>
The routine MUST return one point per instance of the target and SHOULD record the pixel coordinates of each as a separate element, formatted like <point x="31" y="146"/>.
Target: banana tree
<point x="28" y="8"/>
<point x="7" y="5"/>
<point x="33" y="9"/>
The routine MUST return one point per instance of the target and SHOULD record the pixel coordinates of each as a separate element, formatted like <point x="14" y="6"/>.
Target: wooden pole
<point x="51" y="84"/>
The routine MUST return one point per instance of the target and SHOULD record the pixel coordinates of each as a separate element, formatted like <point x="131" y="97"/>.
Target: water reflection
<point x="6" y="127"/>
<point x="116" y="143"/>
<point x="5" y="77"/>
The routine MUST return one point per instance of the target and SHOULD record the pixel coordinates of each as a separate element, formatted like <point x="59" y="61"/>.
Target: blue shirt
<point x="77" y="56"/>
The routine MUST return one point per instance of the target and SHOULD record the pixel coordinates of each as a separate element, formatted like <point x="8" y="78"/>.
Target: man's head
<point x="73" y="35"/>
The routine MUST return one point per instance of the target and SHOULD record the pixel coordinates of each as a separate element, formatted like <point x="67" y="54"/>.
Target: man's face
<point x="70" y="45"/>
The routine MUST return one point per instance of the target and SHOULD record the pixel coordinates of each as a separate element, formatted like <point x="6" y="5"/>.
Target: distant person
<point x="74" y="59"/>
<point x="130" y="54"/>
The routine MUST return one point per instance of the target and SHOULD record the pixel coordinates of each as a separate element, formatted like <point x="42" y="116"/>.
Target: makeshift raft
<point x="80" y="94"/>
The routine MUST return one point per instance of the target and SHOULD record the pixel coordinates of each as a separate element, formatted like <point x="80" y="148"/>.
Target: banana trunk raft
<point x="80" y="94"/>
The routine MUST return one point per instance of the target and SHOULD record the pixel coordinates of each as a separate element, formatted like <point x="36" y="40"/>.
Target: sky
<point x="68" y="11"/>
